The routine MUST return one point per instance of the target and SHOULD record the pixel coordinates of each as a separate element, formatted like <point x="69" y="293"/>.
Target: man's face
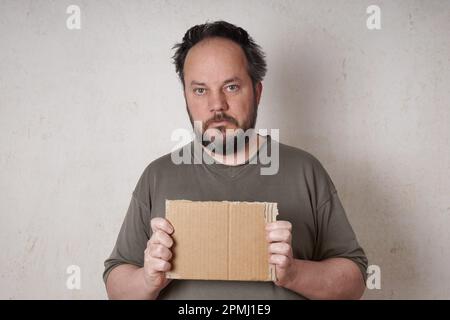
<point x="218" y="89"/>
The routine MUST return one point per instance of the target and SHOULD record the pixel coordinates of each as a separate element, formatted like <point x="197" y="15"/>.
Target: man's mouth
<point x="216" y="124"/>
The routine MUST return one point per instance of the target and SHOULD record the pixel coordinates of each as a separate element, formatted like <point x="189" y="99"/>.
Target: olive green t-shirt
<point x="305" y="194"/>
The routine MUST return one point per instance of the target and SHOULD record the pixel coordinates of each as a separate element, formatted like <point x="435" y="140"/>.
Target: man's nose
<point x="217" y="102"/>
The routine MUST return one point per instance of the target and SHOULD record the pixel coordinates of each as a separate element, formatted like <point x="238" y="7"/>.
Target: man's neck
<point x="242" y="155"/>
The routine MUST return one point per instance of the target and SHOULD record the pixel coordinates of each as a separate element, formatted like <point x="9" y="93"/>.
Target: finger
<point x="160" y="237"/>
<point x="280" y="260"/>
<point x="158" y="265"/>
<point x="279" y="235"/>
<point x="161" y="252"/>
<point x="161" y="224"/>
<point x="280" y="248"/>
<point x="279" y="225"/>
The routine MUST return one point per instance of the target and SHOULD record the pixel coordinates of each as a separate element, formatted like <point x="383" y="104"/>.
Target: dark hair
<point x="256" y="63"/>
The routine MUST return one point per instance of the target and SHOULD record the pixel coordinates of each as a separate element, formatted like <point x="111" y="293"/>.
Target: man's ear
<point x="258" y="92"/>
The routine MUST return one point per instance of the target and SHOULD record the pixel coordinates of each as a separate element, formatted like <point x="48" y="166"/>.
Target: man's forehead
<point x="216" y="58"/>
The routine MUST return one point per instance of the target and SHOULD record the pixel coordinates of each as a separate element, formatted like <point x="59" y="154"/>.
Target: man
<point x="313" y="246"/>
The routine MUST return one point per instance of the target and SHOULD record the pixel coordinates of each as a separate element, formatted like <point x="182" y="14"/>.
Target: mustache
<point x="220" y="116"/>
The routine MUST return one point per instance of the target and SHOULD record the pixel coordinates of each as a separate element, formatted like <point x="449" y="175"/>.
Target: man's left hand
<point x="279" y="236"/>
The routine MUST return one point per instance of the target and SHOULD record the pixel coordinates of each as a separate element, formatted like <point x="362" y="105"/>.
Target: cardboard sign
<point x="220" y="240"/>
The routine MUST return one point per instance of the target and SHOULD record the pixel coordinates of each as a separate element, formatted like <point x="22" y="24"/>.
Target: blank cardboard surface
<point x="220" y="240"/>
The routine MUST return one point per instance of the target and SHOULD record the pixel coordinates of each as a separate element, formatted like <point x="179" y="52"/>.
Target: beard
<point x="222" y="140"/>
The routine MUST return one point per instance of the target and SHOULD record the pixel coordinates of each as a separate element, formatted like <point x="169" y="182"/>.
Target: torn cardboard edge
<point x="211" y="217"/>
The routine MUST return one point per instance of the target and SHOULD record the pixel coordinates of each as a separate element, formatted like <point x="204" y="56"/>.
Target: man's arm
<point x="334" y="278"/>
<point x="127" y="281"/>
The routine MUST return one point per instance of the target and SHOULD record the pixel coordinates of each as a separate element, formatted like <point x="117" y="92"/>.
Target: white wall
<point x="82" y="112"/>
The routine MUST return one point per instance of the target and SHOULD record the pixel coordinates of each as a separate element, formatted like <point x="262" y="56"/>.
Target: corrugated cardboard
<point x="220" y="240"/>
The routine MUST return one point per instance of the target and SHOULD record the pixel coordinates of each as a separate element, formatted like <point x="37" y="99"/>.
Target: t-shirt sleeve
<point x="336" y="237"/>
<point x="133" y="236"/>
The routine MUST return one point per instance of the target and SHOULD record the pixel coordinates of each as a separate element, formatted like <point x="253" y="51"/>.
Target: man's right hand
<point x="158" y="254"/>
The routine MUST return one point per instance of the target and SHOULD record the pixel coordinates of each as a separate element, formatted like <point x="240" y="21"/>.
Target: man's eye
<point x="232" y="87"/>
<point x="199" y="91"/>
